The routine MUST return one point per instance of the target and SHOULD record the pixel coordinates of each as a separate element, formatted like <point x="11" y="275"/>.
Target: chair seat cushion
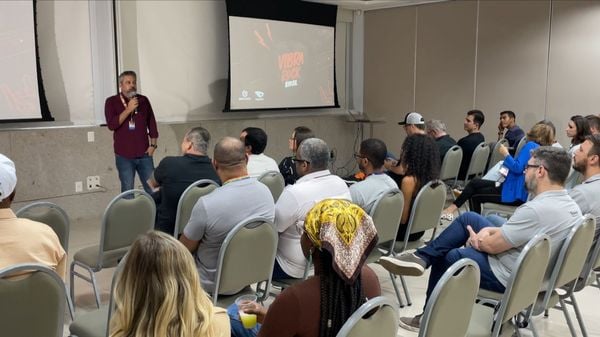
<point x="484" y="293"/>
<point x="481" y="323"/>
<point x="89" y="257"/>
<point x="90" y="324"/>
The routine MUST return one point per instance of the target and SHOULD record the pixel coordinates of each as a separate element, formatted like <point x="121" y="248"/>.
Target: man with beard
<point x="496" y="249"/>
<point x="370" y="159"/>
<point x="586" y="160"/>
<point x="131" y="118"/>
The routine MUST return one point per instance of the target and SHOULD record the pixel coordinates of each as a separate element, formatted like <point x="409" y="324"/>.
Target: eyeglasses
<point x="358" y="156"/>
<point x="534" y="166"/>
<point x="296" y="160"/>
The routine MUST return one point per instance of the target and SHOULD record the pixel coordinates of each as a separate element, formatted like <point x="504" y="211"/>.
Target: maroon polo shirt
<point x="130" y="143"/>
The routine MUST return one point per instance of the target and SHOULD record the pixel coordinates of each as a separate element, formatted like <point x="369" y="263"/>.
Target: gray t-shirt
<point x="553" y="213"/>
<point x="366" y="192"/>
<point x="586" y="197"/>
<point x="215" y="214"/>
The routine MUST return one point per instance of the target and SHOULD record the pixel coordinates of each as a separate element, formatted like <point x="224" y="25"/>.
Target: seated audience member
<point x="577" y="129"/>
<point x="413" y="123"/>
<point x="215" y="214"/>
<point x="510" y="192"/>
<point x="468" y="144"/>
<point x="24" y="240"/>
<point x="496" y="249"/>
<point x="509" y="130"/>
<point x="437" y="130"/>
<point x="287" y="166"/>
<point x="158" y="294"/>
<point x="174" y="174"/>
<point x="586" y="161"/>
<point x="320" y="305"/>
<point x="316" y="183"/>
<point x="419" y="164"/>
<point x="255" y="141"/>
<point x="370" y="160"/>
<point x="594" y="123"/>
<point x="555" y="143"/>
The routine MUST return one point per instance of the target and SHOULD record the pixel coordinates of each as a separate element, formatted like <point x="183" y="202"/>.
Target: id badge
<point x="131" y="125"/>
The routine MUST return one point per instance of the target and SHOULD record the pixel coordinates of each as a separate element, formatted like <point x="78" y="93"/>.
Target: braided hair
<point x="339" y="300"/>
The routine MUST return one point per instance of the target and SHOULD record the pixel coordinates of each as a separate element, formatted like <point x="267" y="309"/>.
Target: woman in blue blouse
<point x="512" y="191"/>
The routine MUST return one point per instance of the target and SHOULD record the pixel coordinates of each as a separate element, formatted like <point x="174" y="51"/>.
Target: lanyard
<point x="125" y="106"/>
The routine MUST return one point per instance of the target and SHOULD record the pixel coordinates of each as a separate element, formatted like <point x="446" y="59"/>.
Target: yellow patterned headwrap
<point x="345" y="231"/>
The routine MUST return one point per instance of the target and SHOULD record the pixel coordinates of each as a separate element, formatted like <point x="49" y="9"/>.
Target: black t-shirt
<point x="468" y="145"/>
<point x="174" y="175"/>
<point x="444" y="144"/>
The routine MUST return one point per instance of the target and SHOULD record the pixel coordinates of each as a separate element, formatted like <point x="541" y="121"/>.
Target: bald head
<point x="229" y="152"/>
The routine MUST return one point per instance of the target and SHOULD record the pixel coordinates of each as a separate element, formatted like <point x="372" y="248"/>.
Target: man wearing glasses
<point x="315" y="184"/>
<point x="496" y="249"/>
<point x="370" y="159"/>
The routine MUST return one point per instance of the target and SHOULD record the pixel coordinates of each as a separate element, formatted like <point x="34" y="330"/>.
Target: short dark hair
<point x="593" y="121"/>
<point x="256" y="138"/>
<point x="478" y="117"/>
<point x="583" y="129"/>
<point x="301" y="133"/>
<point x="595" y="149"/>
<point x="556" y="161"/>
<point x="127" y="73"/>
<point x="374" y="150"/>
<point x="509" y="113"/>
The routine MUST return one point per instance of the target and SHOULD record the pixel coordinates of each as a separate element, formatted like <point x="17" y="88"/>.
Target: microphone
<point x="131" y="95"/>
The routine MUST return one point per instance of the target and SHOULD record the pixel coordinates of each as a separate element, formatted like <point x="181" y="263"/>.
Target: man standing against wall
<point x="130" y="116"/>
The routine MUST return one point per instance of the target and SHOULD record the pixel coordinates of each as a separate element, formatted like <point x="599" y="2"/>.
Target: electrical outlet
<point x="90" y="136"/>
<point x="78" y="186"/>
<point x="93" y="182"/>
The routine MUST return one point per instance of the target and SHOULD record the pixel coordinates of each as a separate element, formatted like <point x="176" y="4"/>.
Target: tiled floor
<point x="87" y="232"/>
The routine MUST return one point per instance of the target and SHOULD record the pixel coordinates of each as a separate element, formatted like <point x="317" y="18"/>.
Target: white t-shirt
<point x="261" y="163"/>
<point x="290" y="212"/>
<point x="366" y="192"/>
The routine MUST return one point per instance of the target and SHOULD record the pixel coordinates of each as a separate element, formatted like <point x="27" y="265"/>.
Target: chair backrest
<point x="525" y="280"/>
<point x="478" y="162"/>
<point x="448" y="309"/>
<point x="384" y="322"/>
<point x="274" y="181"/>
<point x="386" y="214"/>
<point x="572" y="257"/>
<point x="188" y="199"/>
<point x="520" y="145"/>
<point x="32" y="305"/>
<point x="427" y="208"/>
<point x="246" y="256"/>
<point x="495" y="156"/>
<point x="451" y="163"/>
<point x="50" y="214"/>
<point x="128" y="215"/>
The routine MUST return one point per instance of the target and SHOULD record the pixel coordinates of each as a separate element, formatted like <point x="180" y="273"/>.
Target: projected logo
<point x="244" y="96"/>
<point x="259" y="95"/>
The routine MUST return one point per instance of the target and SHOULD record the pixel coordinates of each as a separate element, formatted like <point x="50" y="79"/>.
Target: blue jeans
<point x="448" y="248"/>
<point x="127" y="168"/>
<point x="278" y="273"/>
<point x="496" y="220"/>
<point x="237" y="329"/>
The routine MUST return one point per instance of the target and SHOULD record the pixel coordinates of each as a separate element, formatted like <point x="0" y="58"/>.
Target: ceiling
<point x="366" y="5"/>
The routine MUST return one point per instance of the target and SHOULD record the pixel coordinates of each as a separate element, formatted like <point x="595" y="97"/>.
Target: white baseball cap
<point x="8" y="177"/>
<point x="414" y="118"/>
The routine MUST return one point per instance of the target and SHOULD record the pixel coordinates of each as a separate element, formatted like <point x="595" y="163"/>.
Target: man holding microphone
<point x="130" y="116"/>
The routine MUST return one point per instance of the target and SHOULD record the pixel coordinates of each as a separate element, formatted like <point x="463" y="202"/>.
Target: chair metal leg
<point x="400" y="301"/>
<point x="72" y="283"/>
<point x="70" y="304"/>
<point x="407" y="295"/>
<point x="578" y="316"/>
<point x="96" y="294"/>
<point x="563" y="307"/>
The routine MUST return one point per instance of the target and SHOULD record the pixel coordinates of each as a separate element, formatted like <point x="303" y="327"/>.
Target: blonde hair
<point x="158" y="294"/>
<point x="541" y="133"/>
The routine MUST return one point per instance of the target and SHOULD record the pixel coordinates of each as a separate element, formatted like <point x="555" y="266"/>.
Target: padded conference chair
<point x="451" y="166"/>
<point x="50" y="214"/>
<point x="274" y="181"/>
<point x="495" y="156"/>
<point x="123" y="220"/>
<point x="386" y="214"/>
<point x="521" y="291"/>
<point x="31" y="305"/>
<point x="247" y="256"/>
<point x="188" y="199"/>
<point x="478" y="162"/>
<point x="424" y="215"/>
<point x="520" y="145"/>
<point x="96" y="323"/>
<point x="448" y="310"/>
<point x="382" y="323"/>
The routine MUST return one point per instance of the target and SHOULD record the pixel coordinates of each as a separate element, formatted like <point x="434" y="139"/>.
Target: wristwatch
<point x="154" y="145"/>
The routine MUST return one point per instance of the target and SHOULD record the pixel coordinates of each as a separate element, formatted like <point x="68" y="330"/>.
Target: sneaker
<point x="447" y="216"/>
<point x="407" y="264"/>
<point x="411" y="323"/>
